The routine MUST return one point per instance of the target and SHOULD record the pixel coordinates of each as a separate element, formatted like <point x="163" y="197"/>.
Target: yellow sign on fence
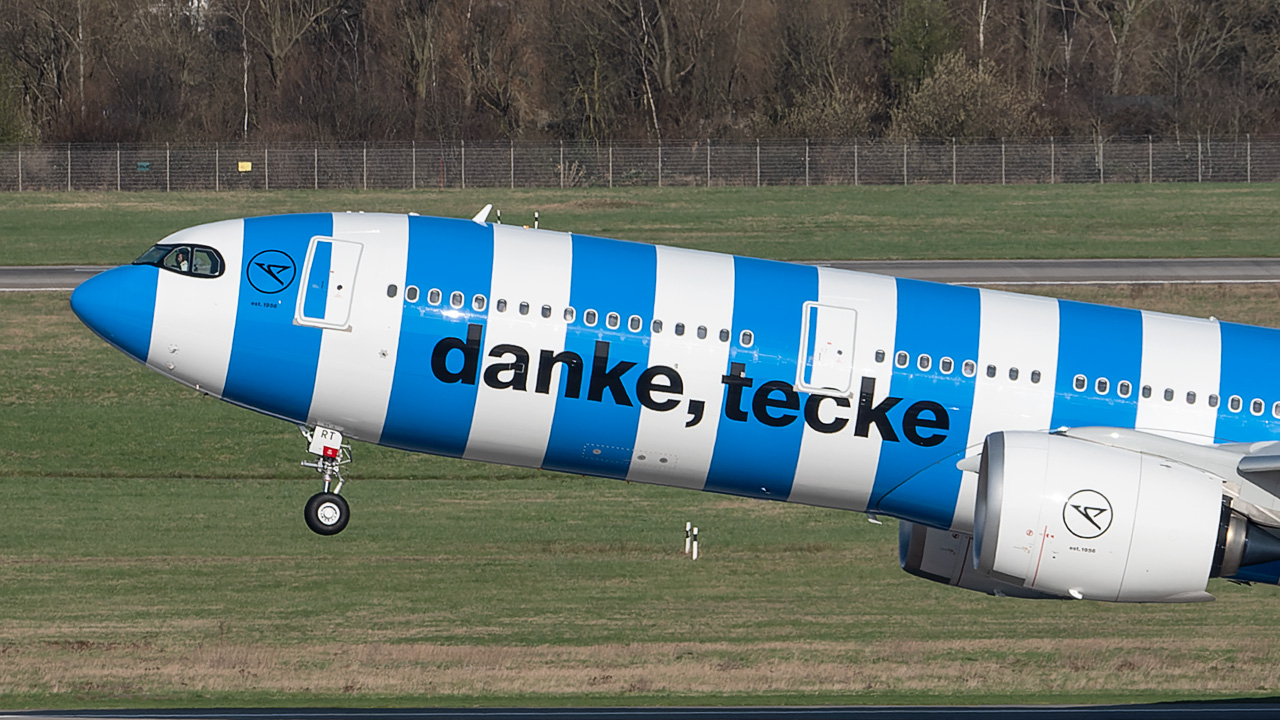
<point x="245" y="166"/>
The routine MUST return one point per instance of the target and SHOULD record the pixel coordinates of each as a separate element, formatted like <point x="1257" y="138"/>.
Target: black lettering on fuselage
<point x="470" y="349"/>
<point x="547" y="361"/>
<point x="518" y="367"/>
<point x="734" y="382"/>
<point x="878" y="415"/>
<point x="604" y="377"/>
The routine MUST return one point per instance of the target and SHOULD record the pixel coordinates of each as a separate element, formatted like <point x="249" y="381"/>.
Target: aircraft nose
<point x="119" y="305"/>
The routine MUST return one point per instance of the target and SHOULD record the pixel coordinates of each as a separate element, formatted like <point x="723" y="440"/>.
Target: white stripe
<point x="694" y="288"/>
<point x="839" y="469"/>
<point x="1183" y="355"/>
<point x="1015" y="331"/>
<point x="534" y="267"/>
<point x="195" y="318"/>
<point x="357" y="366"/>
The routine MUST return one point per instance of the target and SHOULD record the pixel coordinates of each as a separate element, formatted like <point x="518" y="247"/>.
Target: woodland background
<point x="604" y="70"/>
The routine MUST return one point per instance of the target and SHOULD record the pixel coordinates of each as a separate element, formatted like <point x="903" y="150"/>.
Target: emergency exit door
<point x="328" y="283"/>
<point x="826" y="348"/>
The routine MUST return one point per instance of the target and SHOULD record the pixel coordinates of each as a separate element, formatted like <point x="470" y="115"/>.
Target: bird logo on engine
<point x="1087" y="514"/>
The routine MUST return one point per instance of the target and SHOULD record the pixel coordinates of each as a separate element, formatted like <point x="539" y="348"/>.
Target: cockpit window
<point x="184" y="259"/>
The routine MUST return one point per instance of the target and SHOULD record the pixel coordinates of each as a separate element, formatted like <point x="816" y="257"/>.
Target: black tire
<point x="321" y="510"/>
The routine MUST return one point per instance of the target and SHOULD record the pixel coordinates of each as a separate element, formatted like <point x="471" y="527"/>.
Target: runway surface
<point x="968" y="272"/>
<point x="1181" y="711"/>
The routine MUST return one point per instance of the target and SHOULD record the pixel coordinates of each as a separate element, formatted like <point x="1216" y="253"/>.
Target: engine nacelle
<point x="947" y="557"/>
<point x="1072" y="518"/>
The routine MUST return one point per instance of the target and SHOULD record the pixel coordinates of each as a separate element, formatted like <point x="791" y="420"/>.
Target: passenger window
<point x="679" y="328"/>
<point x="1256" y="406"/>
<point x="455" y="299"/>
<point x="589" y="317"/>
<point x="1234" y="403"/>
<point x="1213" y="400"/>
<point x="656" y="325"/>
<point x="433" y="295"/>
<point x="1101" y="386"/>
<point x="1123" y="388"/>
<point x="902" y="359"/>
<point x="946" y="365"/>
<point x="546" y="311"/>
<point x="1168" y="394"/>
<point x="501" y="305"/>
<point x="923" y="361"/>
<point x="724" y="334"/>
<point x="478" y="303"/>
<point x="524" y="308"/>
<point x="1191" y="397"/>
<point x="1013" y="373"/>
<point x="991" y="371"/>
<point x="613" y="320"/>
<point x="879" y="356"/>
<point x="1146" y="391"/>
<point x="969" y="368"/>
<point x="1080" y="383"/>
<point x="569" y="314"/>
<point x="1035" y="377"/>
<point x="746" y="338"/>
<point x="635" y="323"/>
<point x="392" y="290"/>
<point x="702" y="332"/>
<point x="411" y="293"/>
<point x="1275" y="410"/>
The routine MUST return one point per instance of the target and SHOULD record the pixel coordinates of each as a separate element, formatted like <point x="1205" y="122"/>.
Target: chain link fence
<point x="290" y="166"/>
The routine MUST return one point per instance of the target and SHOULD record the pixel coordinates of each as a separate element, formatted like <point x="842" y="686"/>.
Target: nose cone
<point x="119" y="305"/>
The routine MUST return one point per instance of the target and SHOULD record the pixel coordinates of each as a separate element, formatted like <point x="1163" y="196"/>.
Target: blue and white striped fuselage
<point x="671" y="366"/>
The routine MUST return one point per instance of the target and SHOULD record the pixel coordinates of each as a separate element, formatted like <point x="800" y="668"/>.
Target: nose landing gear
<point x="327" y="512"/>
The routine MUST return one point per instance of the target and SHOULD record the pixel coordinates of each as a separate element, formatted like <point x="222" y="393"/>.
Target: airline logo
<point x="270" y="272"/>
<point x="774" y="403"/>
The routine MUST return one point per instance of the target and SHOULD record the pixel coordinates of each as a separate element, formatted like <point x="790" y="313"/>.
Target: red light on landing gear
<point x="331" y="452"/>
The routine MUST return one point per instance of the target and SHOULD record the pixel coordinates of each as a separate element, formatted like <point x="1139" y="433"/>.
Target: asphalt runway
<point x="967" y="272"/>
<point x="1181" y="711"/>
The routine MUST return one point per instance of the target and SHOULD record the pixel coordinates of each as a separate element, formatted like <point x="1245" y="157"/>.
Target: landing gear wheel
<point x="327" y="513"/>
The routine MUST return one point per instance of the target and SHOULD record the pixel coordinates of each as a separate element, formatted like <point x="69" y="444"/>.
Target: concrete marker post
<point x="688" y="529"/>
<point x="694" y="554"/>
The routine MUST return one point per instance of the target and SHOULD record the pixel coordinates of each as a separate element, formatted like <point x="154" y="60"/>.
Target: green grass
<point x="153" y="553"/>
<point x="1045" y="221"/>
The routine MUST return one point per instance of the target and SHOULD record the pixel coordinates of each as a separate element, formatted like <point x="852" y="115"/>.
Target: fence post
<point x="855" y="162"/>
<point x="166" y="167"/>
<point x="19" y="168"/>
<point x="757" y="162"/>
<point x="904" y="161"/>
<point x="1102" y="176"/>
<point x="217" y="171"/>
<point x="1053" y="161"/>
<point x="68" y="167"/>
<point x="315" y="166"/>
<point x="1248" y="158"/>
<point x="953" y="161"/>
<point x="364" y="165"/>
<point x="464" y="163"/>
<point x="266" y="167"/>
<point x="117" y="167"/>
<point x="1002" y="172"/>
<point x="659" y="162"/>
<point x="1199" y="159"/>
<point x="611" y="164"/>
<point x="1150" y="162"/>
<point x="512" y="159"/>
<point x="806" y="162"/>
<point x="413" y="162"/>
<point x="562" y="166"/>
<point x="708" y="162"/>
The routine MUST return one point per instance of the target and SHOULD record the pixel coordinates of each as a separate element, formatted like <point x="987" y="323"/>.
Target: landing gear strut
<point x="327" y="512"/>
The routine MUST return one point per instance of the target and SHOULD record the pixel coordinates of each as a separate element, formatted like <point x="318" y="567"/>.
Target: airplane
<point x="1030" y="447"/>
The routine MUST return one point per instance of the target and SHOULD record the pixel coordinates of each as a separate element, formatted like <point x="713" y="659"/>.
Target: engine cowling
<point x="1073" y="518"/>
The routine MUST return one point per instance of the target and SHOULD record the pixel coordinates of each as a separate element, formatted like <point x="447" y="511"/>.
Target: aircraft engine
<point x="1071" y="518"/>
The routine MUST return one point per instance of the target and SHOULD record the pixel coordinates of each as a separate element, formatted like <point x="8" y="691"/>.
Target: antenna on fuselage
<point x="483" y="214"/>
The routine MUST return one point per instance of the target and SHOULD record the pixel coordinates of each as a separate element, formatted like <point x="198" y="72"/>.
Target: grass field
<point x="1044" y="221"/>
<point x="153" y="553"/>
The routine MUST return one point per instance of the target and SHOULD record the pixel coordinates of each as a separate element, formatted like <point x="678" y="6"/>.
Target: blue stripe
<point x="608" y="276"/>
<point x="917" y="483"/>
<point x="120" y="306"/>
<point x="1246" y="352"/>
<point x="752" y="458"/>
<point x="317" y="295"/>
<point x="1097" y="342"/>
<point x="423" y="413"/>
<point x="811" y="345"/>
<point x="273" y="361"/>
